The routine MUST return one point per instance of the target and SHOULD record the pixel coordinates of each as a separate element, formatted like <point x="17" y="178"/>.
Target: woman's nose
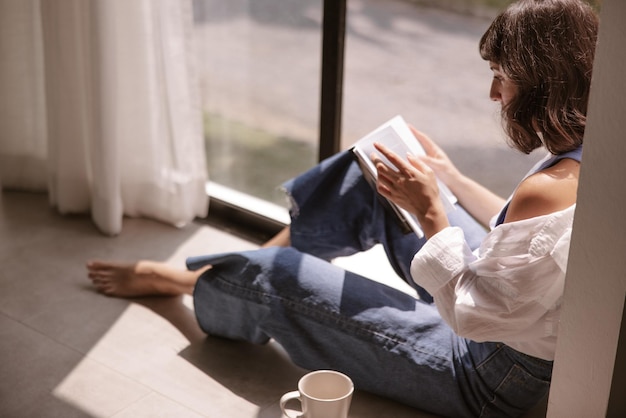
<point x="494" y="93"/>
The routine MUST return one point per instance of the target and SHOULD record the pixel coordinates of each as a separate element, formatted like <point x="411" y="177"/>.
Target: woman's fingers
<point x="428" y="144"/>
<point x="398" y="162"/>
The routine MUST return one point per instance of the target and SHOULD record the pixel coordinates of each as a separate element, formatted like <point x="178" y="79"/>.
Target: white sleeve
<point x="503" y="291"/>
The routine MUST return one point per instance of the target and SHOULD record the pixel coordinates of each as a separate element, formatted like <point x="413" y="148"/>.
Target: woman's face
<point x="502" y="88"/>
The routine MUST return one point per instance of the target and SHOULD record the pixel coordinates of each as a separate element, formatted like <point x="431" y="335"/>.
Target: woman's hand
<point x="412" y="185"/>
<point x="475" y="198"/>
<point x="437" y="159"/>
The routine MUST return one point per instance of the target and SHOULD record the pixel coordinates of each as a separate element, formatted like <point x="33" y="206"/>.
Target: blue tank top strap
<point x="574" y="155"/>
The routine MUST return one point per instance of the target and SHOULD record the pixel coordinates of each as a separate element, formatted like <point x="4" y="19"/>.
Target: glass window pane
<point x="259" y="64"/>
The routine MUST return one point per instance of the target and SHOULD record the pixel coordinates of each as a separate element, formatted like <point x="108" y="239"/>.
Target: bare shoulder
<point x="547" y="191"/>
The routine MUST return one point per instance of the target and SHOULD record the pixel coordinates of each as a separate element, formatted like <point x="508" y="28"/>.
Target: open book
<point x="396" y="135"/>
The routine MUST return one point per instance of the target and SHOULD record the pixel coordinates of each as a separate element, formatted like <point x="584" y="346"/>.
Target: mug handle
<point x="286" y="398"/>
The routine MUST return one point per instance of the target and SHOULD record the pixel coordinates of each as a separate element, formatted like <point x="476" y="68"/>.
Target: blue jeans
<point x="388" y="342"/>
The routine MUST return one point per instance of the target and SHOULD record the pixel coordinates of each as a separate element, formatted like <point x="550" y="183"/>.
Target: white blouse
<point x="509" y="290"/>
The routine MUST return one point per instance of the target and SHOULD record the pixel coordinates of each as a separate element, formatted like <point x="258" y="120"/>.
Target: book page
<point x="397" y="136"/>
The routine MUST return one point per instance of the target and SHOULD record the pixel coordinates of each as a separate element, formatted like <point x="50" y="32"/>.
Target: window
<point x="259" y="66"/>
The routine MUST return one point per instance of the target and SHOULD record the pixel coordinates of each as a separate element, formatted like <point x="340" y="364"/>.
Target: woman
<point x="485" y="347"/>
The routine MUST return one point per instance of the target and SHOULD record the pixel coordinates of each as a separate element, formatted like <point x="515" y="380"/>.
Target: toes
<point x="104" y="287"/>
<point x="96" y="275"/>
<point x="95" y="265"/>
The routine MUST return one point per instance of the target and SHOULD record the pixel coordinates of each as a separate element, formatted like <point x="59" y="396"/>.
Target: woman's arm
<point x="518" y="276"/>
<point x="514" y="281"/>
<point x="476" y="199"/>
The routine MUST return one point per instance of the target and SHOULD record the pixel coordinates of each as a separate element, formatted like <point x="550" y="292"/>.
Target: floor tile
<point x="98" y="390"/>
<point x="40" y="376"/>
<point x="156" y="406"/>
<point x="151" y="353"/>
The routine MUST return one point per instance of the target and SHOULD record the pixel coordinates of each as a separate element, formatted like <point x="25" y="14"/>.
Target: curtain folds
<point x="100" y="108"/>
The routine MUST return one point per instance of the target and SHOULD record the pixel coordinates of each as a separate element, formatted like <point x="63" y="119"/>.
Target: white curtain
<point x="99" y="106"/>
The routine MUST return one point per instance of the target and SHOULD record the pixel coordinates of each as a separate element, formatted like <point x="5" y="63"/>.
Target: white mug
<point x="323" y="394"/>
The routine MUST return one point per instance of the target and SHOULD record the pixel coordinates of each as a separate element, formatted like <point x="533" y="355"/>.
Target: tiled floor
<point x="69" y="352"/>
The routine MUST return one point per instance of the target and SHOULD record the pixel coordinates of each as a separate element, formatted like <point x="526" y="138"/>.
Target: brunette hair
<point x="546" y="48"/>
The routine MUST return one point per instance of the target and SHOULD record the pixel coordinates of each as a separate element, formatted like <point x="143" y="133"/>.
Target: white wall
<point x="596" y="281"/>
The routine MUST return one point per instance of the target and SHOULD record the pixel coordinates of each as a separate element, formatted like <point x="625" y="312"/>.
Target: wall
<point x="596" y="280"/>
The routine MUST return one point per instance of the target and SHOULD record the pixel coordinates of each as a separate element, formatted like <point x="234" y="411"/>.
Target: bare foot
<point x="144" y="278"/>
